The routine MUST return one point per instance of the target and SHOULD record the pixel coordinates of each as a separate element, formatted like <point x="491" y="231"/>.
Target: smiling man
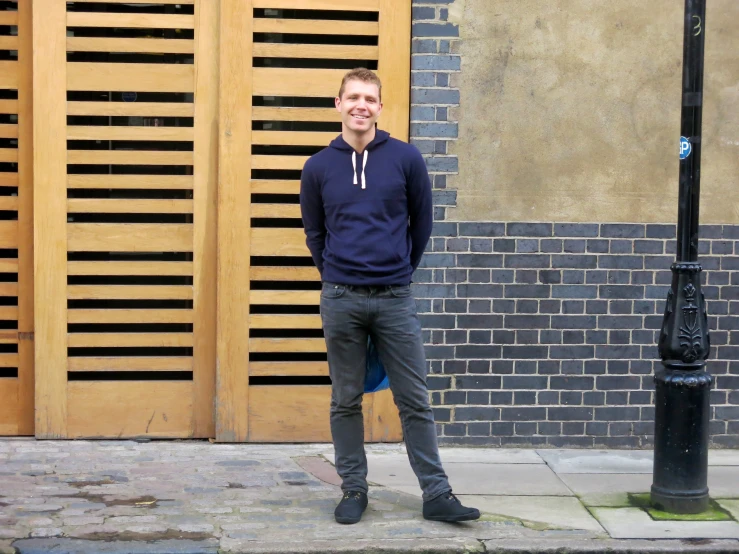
<point x="367" y="211"/>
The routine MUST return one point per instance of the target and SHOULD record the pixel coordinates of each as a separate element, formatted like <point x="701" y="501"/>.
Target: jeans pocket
<point x="403" y="291"/>
<point x="331" y="290"/>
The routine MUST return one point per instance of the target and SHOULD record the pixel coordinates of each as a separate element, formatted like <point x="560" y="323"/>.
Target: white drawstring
<point x="354" y="167"/>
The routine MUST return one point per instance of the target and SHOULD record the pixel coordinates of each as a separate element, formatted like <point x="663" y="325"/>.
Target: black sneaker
<point x="447" y="507"/>
<point x="351" y="507"/>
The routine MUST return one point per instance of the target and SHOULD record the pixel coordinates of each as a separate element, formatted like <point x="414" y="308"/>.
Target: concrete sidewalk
<point x="196" y="497"/>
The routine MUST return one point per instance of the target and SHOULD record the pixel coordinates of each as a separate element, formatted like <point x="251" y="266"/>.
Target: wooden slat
<point x="8" y="106"/>
<point x="9" y="313"/>
<point x="317" y="51"/>
<point x="8" y="179"/>
<point x="129" y="292"/>
<point x="138" y="45"/>
<point x="132" y="109"/>
<point x="273" y="81"/>
<point x="129" y="268"/>
<point x="49" y="206"/>
<point x="128" y="206"/>
<point x="282" y="321"/>
<point x="286" y="297"/>
<point x="292" y="138"/>
<point x="179" y="182"/>
<point x="295" y="414"/>
<point x="287" y="345"/>
<point x="143" y="363"/>
<point x="161" y="340"/>
<point x="8" y="155"/>
<point x="130" y="20"/>
<point x="267" y="241"/>
<point x="8" y="130"/>
<point x="8" y="406"/>
<point x="8" y="203"/>
<point x="26" y="281"/>
<point x="234" y="207"/>
<point x="262" y="273"/>
<point x="205" y="202"/>
<point x="315" y="26"/>
<point x="8" y="337"/>
<point x="270" y="113"/>
<point x="8" y="75"/>
<point x="130" y="316"/>
<point x="9" y="17"/>
<point x="128" y="157"/>
<point x="130" y="409"/>
<point x="343" y="5"/>
<point x="8" y="233"/>
<point x="8" y="360"/>
<point x="8" y="289"/>
<point x="275" y="210"/>
<point x="8" y="265"/>
<point x="122" y="76"/>
<point x="279" y="162"/>
<point x="100" y="132"/>
<point x="264" y="186"/>
<point x="263" y="369"/>
<point x="129" y="237"/>
<point x="8" y="42"/>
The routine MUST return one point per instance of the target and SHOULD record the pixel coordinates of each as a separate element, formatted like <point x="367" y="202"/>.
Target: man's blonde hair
<point x="361" y="74"/>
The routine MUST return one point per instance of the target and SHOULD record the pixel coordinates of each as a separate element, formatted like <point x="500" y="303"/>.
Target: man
<point x="367" y="211"/>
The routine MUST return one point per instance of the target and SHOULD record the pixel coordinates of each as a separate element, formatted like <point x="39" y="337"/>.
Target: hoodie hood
<point x="339" y="143"/>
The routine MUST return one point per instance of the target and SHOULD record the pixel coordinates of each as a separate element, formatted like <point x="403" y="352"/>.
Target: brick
<point x="480" y="321"/>
<point x="457" y="306"/>
<point x="527" y="321"/>
<point x="594" y="398"/>
<point x="551" y="245"/>
<point x="480" y="260"/>
<point x="550" y="306"/>
<point x="504" y="245"/>
<point x="434" y="96"/>
<point x="619" y="322"/>
<point x="620" y="262"/>
<point x="476" y="413"/>
<point x="527" y="246"/>
<point x="504" y="428"/>
<point x="424" y="129"/>
<point x="596" y="277"/>
<point x="573" y="277"/>
<point x="617" y="382"/>
<point x="573" y="246"/>
<point x="549" y="336"/>
<point x="661" y="231"/>
<point x="575" y="230"/>
<point x="442" y="79"/>
<point x="573" y="337"/>
<point x="549" y="276"/>
<point x="437" y="260"/>
<point x="525" y="382"/>
<point x="642" y="277"/>
<point x="455" y="429"/>
<point x="570" y="398"/>
<point x="504" y="306"/>
<point x="621" y="291"/>
<point x="435" y="30"/>
<point x="482" y="229"/>
<point x="481" y="245"/>
<point x="616" y="413"/>
<point x="566" y="352"/>
<point x="478" y="382"/>
<point x="573" y="322"/>
<point x="478" y="429"/>
<point x="621" y="247"/>
<point x="527" y="276"/>
<point x="501" y="367"/>
<point x="574" y="261"/>
<point x="621" y="230"/>
<point x="525" y="428"/>
<point x="478" y="351"/>
<point x="571" y="382"/>
<point x="596" y="337"/>
<point x="569" y="413"/>
<point x="547" y="397"/>
<point x="527" y="261"/>
<point x="649" y="246"/>
<point x="419" y="79"/>
<point x="436" y="62"/>
<point x="523" y="414"/>
<point x="529" y="230"/>
<point x="437" y="321"/>
<point x="549" y="428"/>
<point x="527" y="291"/>
<point x="421" y="113"/>
<point x="442" y="163"/>
<point x="572" y="367"/>
<point x="481" y="397"/>
<point x="574" y="291"/>
<point x="504" y="337"/>
<point x="479" y="275"/>
<point x="527" y="306"/>
<point x="597" y="246"/>
<point x="480" y="290"/>
<point x="478" y="366"/>
<point x="423" y="13"/>
<point x="573" y="307"/>
<point x="524" y="351"/>
<point x="422" y="290"/>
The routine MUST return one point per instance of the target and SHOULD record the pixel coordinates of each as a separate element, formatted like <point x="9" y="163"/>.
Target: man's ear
<point x="337" y="103"/>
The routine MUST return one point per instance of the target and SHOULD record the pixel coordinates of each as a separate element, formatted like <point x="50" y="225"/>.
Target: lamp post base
<point x="680" y="502"/>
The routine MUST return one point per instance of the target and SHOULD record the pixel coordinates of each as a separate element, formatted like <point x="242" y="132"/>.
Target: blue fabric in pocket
<point x="375" y="378"/>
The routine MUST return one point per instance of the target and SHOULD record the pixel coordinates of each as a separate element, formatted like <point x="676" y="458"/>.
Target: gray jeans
<point x="388" y="315"/>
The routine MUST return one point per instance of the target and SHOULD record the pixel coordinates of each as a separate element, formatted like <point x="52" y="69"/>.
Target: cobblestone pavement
<point x="193" y="497"/>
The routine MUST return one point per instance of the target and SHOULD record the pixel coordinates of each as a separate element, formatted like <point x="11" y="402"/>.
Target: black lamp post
<point x="680" y="479"/>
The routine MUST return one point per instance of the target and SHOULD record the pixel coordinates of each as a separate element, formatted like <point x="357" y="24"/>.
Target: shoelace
<point x="453" y="498"/>
<point x="352" y="495"/>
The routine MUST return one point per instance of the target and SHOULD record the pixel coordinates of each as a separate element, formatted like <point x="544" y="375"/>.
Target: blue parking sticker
<point x="685" y="148"/>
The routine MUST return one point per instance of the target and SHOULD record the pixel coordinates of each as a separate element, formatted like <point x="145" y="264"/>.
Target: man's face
<point x="359" y="106"/>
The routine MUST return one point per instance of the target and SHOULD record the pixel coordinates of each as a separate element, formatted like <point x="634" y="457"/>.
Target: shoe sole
<point x="347" y="520"/>
<point x="453" y="519"/>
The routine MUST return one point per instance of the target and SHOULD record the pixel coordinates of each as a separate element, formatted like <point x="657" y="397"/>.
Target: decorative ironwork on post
<point x="682" y="386"/>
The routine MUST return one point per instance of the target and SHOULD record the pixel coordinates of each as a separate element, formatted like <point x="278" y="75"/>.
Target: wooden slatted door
<point x="277" y="97"/>
<point x="126" y="105"/>
<point x="16" y="221"/>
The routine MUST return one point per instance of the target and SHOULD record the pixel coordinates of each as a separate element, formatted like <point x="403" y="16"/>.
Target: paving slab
<point x="543" y="511"/>
<point x="606" y="489"/>
<point x="598" y="461"/>
<point x="633" y="523"/>
<point x="723" y="457"/>
<point x="731" y="505"/>
<point x="471" y="478"/>
<point x="723" y="481"/>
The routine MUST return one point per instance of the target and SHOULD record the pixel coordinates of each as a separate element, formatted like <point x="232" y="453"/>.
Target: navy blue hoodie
<point x="368" y="216"/>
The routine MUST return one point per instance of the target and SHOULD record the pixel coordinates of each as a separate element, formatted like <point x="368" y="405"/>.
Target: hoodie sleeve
<point x="311" y="210"/>
<point x="420" y="207"/>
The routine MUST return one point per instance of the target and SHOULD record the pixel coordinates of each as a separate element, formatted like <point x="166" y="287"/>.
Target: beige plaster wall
<point x="570" y="110"/>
